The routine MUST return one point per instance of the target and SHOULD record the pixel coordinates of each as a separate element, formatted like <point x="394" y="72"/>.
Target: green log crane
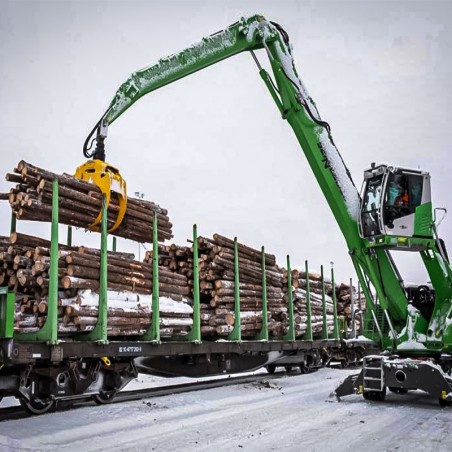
<point x="394" y="211"/>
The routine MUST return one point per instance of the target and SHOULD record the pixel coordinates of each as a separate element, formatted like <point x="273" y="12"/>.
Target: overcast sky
<point x="212" y="148"/>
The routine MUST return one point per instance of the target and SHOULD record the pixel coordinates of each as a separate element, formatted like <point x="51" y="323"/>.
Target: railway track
<point x="17" y="412"/>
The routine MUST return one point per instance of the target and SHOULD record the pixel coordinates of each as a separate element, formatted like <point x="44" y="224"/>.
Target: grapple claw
<point x="107" y="178"/>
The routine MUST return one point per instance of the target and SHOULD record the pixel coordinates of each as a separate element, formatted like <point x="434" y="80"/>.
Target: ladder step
<point x="372" y="378"/>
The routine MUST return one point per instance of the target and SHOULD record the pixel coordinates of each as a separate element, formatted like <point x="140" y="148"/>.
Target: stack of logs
<point x="299" y="296"/>
<point x="344" y="306"/>
<point x="219" y="272"/>
<point x="25" y="263"/>
<point x="216" y="274"/>
<point x="80" y="203"/>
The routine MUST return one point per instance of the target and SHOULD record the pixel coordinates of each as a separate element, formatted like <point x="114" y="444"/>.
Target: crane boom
<point x="210" y="50"/>
<point x="373" y="264"/>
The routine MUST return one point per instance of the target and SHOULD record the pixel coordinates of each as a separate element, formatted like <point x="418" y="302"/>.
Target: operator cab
<point x="395" y="201"/>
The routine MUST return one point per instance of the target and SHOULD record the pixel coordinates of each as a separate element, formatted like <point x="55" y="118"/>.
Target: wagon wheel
<point x="37" y="406"/>
<point x="104" y="397"/>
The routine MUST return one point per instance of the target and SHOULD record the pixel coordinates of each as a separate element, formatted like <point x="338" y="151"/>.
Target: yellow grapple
<point x="107" y="178"/>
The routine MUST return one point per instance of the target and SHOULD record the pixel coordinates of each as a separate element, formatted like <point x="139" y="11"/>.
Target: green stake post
<point x="49" y="332"/>
<point x="99" y="333"/>
<point x="195" y="334"/>
<point x="361" y="315"/>
<point x="263" y="335"/>
<point x="13" y="222"/>
<point x="153" y="333"/>
<point x="308" y="304"/>
<point x="236" y="334"/>
<point x="290" y="336"/>
<point x="325" y="323"/>
<point x="352" y="304"/>
<point x="336" y="326"/>
<point x="69" y="236"/>
<point x="7" y="303"/>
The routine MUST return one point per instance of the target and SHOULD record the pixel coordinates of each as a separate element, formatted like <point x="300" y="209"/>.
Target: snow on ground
<point x="283" y="414"/>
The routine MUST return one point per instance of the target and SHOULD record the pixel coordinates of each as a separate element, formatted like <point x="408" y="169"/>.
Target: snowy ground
<point x="284" y="414"/>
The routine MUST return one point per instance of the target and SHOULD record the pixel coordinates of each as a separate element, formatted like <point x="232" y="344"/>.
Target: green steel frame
<point x="236" y="333"/>
<point x="336" y="325"/>
<point x="290" y="335"/>
<point x="263" y="335"/>
<point x="7" y="301"/>
<point x="69" y="236"/>
<point x="325" y="323"/>
<point x="308" y="335"/>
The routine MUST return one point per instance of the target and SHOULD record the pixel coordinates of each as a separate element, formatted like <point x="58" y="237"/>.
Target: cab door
<point x="370" y="221"/>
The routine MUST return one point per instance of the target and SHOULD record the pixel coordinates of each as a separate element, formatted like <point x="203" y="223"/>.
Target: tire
<point x="288" y="368"/>
<point x="444" y="403"/>
<point x="37" y="406"/>
<point x="303" y="368"/>
<point x="104" y="397"/>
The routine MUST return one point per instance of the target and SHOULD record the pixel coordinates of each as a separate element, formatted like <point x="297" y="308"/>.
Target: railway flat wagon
<point x="42" y="363"/>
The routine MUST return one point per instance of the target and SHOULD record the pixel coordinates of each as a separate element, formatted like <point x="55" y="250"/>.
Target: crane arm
<point x="298" y="108"/>
<point x="245" y="35"/>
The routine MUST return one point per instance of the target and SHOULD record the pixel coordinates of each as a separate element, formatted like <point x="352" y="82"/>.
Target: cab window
<point x="403" y="195"/>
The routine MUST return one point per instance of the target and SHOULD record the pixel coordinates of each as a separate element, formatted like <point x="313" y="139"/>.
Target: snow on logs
<point x="299" y="296"/>
<point x="25" y="264"/>
<point x="80" y="203"/>
<point x="216" y="271"/>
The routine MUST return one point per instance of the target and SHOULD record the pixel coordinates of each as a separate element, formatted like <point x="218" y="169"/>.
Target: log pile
<point x="80" y="203"/>
<point x="25" y="264"/>
<point x="128" y="314"/>
<point x="299" y="296"/>
<point x="344" y="306"/>
<point x="216" y="273"/>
